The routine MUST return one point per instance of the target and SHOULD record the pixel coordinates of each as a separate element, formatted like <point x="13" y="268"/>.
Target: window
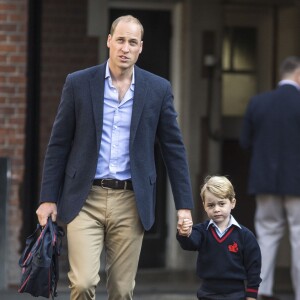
<point x="238" y="69"/>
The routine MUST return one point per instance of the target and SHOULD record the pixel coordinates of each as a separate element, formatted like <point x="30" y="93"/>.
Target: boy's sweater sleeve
<point x="252" y="261"/>
<point x="192" y="242"/>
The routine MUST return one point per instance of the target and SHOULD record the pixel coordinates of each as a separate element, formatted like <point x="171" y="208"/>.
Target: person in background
<point x="229" y="258"/>
<point x="99" y="172"/>
<point x="271" y="131"/>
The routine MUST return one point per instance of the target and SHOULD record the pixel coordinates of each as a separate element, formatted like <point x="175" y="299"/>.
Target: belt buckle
<point x="104" y="187"/>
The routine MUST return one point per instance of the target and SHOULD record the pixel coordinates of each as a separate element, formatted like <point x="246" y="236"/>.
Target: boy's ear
<point x="233" y="203"/>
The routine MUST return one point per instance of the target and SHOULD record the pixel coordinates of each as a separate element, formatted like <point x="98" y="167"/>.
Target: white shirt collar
<point x="289" y="81"/>
<point x="232" y="221"/>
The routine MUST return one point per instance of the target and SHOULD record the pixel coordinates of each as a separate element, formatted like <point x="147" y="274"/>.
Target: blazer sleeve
<point x="174" y="154"/>
<point x="59" y="146"/>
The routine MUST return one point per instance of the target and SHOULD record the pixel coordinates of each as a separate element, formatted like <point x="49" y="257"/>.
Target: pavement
<point x="13" y="295"/>
<point x="163" y="285"/>
<point x="154" y="294"/>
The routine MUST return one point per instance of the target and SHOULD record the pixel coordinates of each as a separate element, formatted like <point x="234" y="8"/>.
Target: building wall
<point x="65" y="48"/>
<point x="13" y="34"/>
<point x="288" y="33"/>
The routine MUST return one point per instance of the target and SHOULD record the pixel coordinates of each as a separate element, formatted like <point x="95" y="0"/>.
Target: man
<point x="271" y="130"/>
<point x="99" y="173"/>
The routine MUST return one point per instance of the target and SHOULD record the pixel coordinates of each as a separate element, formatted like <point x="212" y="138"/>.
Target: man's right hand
<point x="45" y="210"/>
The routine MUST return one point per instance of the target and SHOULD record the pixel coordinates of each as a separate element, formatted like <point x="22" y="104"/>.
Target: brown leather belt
<point x="115" y="184"/>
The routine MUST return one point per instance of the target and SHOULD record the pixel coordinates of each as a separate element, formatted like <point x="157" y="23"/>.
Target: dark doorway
<point x="235" y="164"/>
<point x="29" y="188"/>
<point x="239" y="70"/>
<point x="154" y="58"/>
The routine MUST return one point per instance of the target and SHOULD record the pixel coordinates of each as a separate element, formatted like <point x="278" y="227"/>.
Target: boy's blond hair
<point x="219" y="186"/>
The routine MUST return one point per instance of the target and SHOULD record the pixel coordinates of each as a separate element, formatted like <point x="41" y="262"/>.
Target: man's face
<point x="125" y="45"/>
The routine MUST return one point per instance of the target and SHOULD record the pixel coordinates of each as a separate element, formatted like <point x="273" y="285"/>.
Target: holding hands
<point x="187" y="227"/>
<point x="185" y="222"/>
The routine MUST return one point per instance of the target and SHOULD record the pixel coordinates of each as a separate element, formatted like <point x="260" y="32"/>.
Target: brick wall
<point x="13" y="33"/>
<point x="65" y="48"/>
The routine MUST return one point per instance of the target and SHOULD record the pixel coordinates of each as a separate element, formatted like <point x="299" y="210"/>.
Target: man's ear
<point x="297" y="76"/>
<point x="108" y="41"/>
<point x="141" y="47"/>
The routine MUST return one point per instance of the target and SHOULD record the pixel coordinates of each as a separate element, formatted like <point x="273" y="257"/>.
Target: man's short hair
<point x="127" y="18"/>
<point x="289" y="65"/>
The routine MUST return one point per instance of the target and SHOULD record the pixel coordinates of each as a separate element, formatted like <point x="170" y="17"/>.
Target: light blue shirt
<point x="113" y="160"/>
<point x="232" y="221"/>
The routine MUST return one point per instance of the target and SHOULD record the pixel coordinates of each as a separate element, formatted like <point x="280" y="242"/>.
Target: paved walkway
<point x="146" y="295"/>
<point x="161" y="285"/>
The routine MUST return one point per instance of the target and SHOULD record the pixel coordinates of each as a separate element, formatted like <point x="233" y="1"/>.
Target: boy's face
<point x="218" y="209"/>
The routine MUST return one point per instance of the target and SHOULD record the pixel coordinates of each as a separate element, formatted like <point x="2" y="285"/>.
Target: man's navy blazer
<point x="271" y="130"/>
<point x="72" y="153"/>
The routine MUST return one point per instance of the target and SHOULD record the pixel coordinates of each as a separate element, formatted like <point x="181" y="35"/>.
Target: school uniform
<point x="228" y="264"/>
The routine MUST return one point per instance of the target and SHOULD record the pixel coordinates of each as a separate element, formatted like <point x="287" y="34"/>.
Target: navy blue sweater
<point x="228" y="264"/>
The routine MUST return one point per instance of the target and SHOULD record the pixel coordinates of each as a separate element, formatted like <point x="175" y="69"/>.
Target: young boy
<point x="229" y="258"/>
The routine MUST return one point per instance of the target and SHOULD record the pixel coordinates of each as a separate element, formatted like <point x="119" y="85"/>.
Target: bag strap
<point x="30" y="241"/>
<point x="52" y="232"/>
<point x="56" y="234"/>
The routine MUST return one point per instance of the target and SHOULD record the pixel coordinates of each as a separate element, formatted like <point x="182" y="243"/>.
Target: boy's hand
<point x="185" y="223"/>
<point x="187" y="227"/>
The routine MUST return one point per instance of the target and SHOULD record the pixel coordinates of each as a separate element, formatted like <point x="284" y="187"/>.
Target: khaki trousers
<point x="109" y="219"/>
<point x="273" y="214"/>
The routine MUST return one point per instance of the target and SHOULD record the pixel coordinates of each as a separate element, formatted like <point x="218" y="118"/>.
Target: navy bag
<point x="39" y="261"/>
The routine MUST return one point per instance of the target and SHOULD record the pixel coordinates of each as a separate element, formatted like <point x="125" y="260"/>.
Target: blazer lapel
<point x="140" y="94"/>
<point x="97" y="94"/>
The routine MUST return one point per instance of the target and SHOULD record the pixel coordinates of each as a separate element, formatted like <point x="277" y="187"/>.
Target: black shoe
<point x="263" y="297"/>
